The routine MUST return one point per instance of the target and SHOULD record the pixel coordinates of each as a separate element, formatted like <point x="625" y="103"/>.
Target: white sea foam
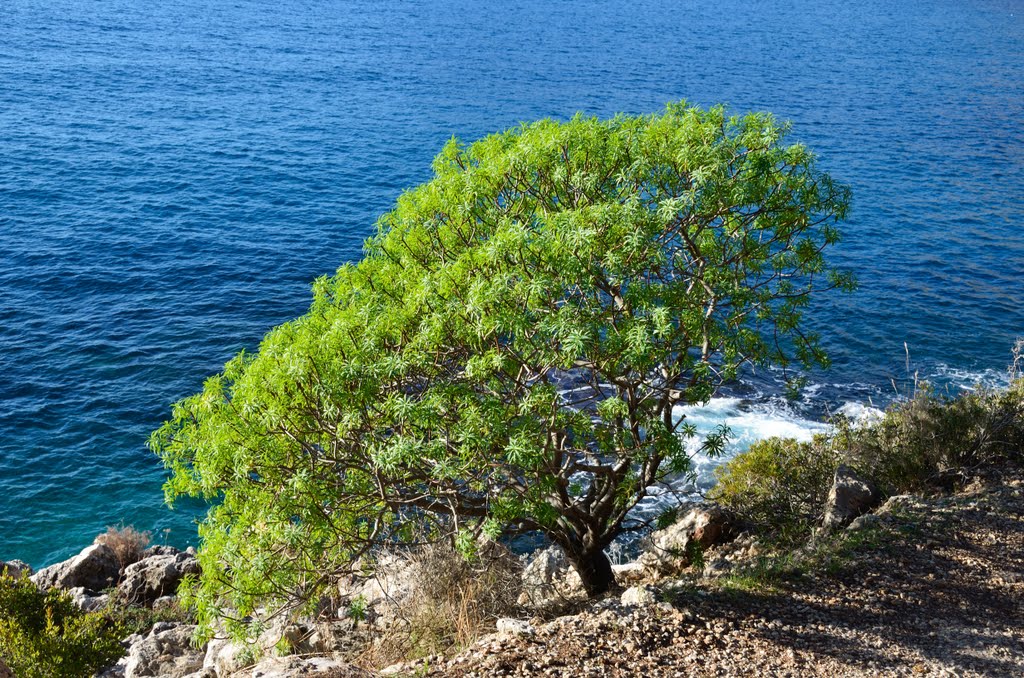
<point x="859" y="413"/>
<point x="763" y="416"/>
<point x="968" y="380"/>
<point x="748" y="422"/>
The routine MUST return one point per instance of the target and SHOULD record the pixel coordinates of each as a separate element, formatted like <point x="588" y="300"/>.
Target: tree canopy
<point x="510" y="352"/>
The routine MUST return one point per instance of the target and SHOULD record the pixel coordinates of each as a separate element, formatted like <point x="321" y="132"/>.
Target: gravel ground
<point x="929" y="587"/>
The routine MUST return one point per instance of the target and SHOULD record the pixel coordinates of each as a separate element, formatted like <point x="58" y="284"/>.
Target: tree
<point x="509" y="353"/>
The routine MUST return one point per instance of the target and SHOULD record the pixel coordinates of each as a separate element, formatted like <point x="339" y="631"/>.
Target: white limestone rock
<point x="95" y="568"/>
<point x="166" y="651"/>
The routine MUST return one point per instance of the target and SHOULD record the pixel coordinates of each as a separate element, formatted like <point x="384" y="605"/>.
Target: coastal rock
<point x="302" y="636"/>
<point x="5" y="671"/>
<point x="14" y="569"/>
<point x="382" y="594"/>
<point x="849" y="497"/>
<point x="548" y="579"/>
<point x="95" y="568"/>
<point x="160" y="550"/>
<point x="862" y="522"/>
<point x="88" y="600"/>
<point x="165" y="603"/>
<point x="898" y="503"/>
<point x="717" y="567"/>
<point x="334" y="636"/>
<point x="544" y="568"/>
<point x="294" y="666"/>
<point x="223" y="657"/>
<point x="704" y="526"/>
<point x="629" y="573"/>
<point x="167" y="651"/>
<point x="156" y="576"/>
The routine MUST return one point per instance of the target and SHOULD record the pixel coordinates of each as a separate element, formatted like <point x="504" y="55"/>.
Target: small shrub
<point x="919" y="445"/>
<point x="135" y="619"/>
<point x="44" y="634"/>
<point x="127" y="543"/>
<point x="357" y="609"/>
<point x="765" y="573"/>
<point x="779" y="484"/>
<point x="920" y="441"/>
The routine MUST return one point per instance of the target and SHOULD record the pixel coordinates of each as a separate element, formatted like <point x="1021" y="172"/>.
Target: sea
<point x="174" y="175"/>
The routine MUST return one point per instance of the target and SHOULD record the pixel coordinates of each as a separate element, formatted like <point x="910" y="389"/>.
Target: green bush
<point x="922" y="441"/>
<point x="131" y="618"/>
<point x="779" y="484"/>
<point x="43" y="635"/>
<point x="920" y="445"/>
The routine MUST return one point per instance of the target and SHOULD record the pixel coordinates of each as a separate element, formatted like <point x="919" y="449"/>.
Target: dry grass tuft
<point x="127" y="543"/>
<point x="455" y="601"/>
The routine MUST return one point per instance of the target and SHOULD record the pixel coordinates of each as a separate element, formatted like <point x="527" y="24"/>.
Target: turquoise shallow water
<point x="173" y="176"/>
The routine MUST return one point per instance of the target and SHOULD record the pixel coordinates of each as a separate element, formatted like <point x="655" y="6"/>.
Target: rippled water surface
<point x="173" y="175"/>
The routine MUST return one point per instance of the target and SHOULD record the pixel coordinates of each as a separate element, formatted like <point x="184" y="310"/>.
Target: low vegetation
<point x="927" y="443"/>
<point x="455" y="600"/>
<point x="132" y="618"/>
<point x="779" y="485"/>
<point x="44" y="634"/>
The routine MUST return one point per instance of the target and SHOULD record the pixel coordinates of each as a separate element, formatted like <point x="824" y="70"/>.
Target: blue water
<point x="173" y="175"/>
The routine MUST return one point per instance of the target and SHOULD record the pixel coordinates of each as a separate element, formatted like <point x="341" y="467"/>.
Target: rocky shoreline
<point x="929" y="587"/>
<point x="915" y="587"/>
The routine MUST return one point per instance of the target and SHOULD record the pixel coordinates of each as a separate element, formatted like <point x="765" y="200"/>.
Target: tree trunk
<point x="595" y="570"/>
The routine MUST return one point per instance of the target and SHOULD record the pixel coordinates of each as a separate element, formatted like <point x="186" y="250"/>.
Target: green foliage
<point x="921" y="439"/>
<point x="779" y="484"/>
<point x="765" y="574"/>
<point x="422" y="395"/>
<point x="130" y="618"/>
<point x="45" y="634"/>
<point x="919" y="445"/>
<point x="357" y="609"/>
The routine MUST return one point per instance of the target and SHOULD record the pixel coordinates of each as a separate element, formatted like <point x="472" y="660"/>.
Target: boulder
<point x="717" y="567"/>
<point x="15" y="569"/>
<point x="544" y="568"/>
<point x="549" y="578"/>
<point x="629" y="573"/>
<point x="863" y="522"/>
<point x="704" y="526"/>
<point x="166" y="651"/>
<point x="294" y="666"/>
<point x="95" y="568"/>
<point x="514" y="628"/>
<point x="379" y="596"/>
<point x="899" y="503"/>
<point x="165" y="603"/>
<point x="156" y="576"/>
<point x="850" y="496"/>
<point x="636" y="596"/>
<point x="223" y="657"/>
<point x="88" y="600"/>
